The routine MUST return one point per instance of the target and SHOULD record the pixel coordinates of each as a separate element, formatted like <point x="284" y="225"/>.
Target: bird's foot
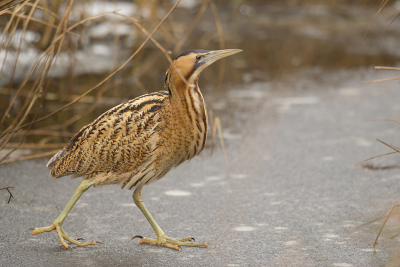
<point x="62" y="235"/>
<point x="170" y="242"/>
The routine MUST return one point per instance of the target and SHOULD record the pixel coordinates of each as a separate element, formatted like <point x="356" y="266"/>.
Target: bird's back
<point x="118" y="142"/>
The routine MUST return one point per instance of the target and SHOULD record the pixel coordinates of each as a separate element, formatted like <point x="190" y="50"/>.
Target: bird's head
<point x="191" y="63"/>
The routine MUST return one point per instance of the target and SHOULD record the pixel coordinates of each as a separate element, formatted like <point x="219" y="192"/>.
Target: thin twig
<point x="24" y="27"/>
<point x="383" y="225"/>
<point x="6" y="2"/>
<point x="221" y="139"/>
<point x="221" y="45"/>
<point x="383" y="80"/>
<point x="379" y="10"/>
<point x="56" y="97"/>
<point x="213" y="129"/>
<point x="191" y="27"/>
<point x="390" y="119"/>
<point x="171" y="21"/>
<point x="45" y="132"/>
<point x="391" y="146"/>
<point x="5" y="30"/>
<point x="35" y="156"/>
<point x="35" y="146"/>
<point x="7" y="138"/>
<point x="51" y="13"/>
<point x="166" y="53"/>
<point x="369" y="222"/>
<point x="47" y="24"/>
<point x="386" y="68"/>
<point x="379" y="156"/>
<point x="387" y="27"/>
<point x="8" y="189"/>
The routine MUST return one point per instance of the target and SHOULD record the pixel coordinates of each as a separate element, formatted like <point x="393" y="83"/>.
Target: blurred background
<point x="297" y="115"/>
<point x="41" y="74"/>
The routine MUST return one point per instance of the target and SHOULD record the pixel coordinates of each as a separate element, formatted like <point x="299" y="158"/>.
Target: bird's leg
<point x="162" y="239"/>
<point x="57" y="225"/>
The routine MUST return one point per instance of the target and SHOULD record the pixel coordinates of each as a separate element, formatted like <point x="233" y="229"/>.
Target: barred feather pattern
<point x="137" y="142"/>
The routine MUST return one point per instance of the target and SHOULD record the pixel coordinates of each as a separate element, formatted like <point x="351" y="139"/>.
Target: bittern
<point x="139" y="141"/>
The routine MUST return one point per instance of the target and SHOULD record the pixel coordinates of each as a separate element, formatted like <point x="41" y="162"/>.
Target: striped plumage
<point x="139" y="141"/>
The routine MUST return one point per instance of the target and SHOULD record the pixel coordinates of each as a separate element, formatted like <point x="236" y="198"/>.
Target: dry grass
<point x="216" y="125"/>
<point x="395" y="148"/>
<point x="397" y="120"/>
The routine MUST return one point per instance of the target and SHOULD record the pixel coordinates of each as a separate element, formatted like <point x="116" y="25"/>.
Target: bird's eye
<point x="198" y="57"/>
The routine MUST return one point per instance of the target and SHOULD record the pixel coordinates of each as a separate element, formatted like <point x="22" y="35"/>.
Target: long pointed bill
<point x="215" y="55"/>
<point x="209" y="58"/>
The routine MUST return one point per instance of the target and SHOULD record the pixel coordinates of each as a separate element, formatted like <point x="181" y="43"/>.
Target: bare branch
<point x="8" y="189"/>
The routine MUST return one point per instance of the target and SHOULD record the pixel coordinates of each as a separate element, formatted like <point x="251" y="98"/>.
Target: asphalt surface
<point x="295" y="196"/>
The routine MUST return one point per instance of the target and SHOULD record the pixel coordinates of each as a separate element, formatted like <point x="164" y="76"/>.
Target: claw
<point x="62" y="235"/>
<point x="100" y="243"/>
<point x="136" y="236"/>
<point x="171" y="242"/>
<point x="29" y="229"/>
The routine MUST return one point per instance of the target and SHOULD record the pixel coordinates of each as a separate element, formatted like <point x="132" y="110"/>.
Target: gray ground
<point x="294" y="198"/>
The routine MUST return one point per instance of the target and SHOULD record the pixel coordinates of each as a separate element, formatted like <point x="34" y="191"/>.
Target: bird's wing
<point x="119" y="140"/>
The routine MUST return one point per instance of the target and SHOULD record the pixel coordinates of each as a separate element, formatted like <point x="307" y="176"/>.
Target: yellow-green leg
<point x="162" y="238"/>
<point x="57" y="225"/>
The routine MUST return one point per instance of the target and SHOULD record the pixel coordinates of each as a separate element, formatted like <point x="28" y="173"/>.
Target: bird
<point x="139" y="141"/>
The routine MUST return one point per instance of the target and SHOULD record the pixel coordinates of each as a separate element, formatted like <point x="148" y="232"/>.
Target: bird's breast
<point x="199" y="121"/>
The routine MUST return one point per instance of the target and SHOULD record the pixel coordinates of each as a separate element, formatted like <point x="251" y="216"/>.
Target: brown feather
<point x="139" y="141"/>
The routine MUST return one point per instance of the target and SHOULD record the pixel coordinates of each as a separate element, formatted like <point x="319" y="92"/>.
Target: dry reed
<point x="395" y="148"/>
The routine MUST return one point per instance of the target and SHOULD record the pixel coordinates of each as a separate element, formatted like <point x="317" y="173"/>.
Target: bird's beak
<point x="209" y="58"/>
<point x="215" y="55"/>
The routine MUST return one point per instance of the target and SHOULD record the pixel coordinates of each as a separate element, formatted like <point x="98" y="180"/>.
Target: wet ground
<point x="293" y="138"/>
<point x="294" y="198"/>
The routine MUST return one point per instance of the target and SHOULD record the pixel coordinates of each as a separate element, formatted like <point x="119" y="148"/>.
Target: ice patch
<point x="213" y="178"/>
<point x="239" y="176"/>
<point x="363" y="142"/>
<point x="128" y="204"/>
<point x="369" y="249"/>
<point x="244" y="229"/>
<point x="287" y="102"/>
<point x="197" y="184"/>
<point x="177" y="193"/>
<point x="331" y="236"/>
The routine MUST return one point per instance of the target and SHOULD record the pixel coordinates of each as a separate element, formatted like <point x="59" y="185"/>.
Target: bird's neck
<point x="179" y="90"/>
<point x="190" y="103"/>
<point x="185" y="95"/>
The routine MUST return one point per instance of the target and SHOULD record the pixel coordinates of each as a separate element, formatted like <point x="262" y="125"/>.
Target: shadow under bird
<point x="139" y="141"/>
